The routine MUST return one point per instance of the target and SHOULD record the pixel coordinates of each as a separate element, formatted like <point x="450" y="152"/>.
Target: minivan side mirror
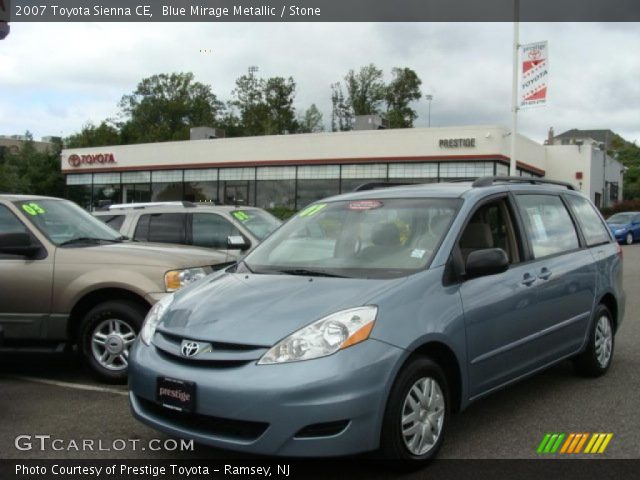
<point x="18" y="244"/>
<point x="487" y="261"/>
<point x="238" y="242"/>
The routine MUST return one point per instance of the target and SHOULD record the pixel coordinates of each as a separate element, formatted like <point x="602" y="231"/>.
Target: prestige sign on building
<point x="535" y="74"/>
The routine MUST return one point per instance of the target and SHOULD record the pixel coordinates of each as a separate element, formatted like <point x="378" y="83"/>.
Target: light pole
<point x="429" y="98"/>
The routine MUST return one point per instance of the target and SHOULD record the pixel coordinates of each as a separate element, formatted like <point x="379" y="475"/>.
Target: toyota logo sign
<point x="189" y="349"/>
<point x="100" y="158"/>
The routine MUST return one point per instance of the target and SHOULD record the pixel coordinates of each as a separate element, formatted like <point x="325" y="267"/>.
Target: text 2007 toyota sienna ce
<point x="369" y="318"/>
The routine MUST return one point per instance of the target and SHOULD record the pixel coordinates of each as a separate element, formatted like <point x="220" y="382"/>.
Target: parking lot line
<point x="76" y="386"/>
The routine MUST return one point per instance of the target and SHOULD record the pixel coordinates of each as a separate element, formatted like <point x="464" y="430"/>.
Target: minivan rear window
<point x="591" y="225"/>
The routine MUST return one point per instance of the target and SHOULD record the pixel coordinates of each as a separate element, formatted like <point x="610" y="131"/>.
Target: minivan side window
<point x="211" y="230"/>
<point x="548" y="224"/>
<point x="592" y="227"/>
<point x="162" y="227"/>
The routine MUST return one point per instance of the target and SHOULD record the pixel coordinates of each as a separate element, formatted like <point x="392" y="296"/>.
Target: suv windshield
<point x="65" y="223"/>
<point x="259" y="223"/>
<point x="360" y="238"/>
<point x="621" y="218"/>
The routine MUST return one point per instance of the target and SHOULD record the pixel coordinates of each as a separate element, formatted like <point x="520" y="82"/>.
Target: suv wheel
<point x="107" y="333"/>
<point x="596" y="358"/>
<point x="417" y="414"/>
<point x="629" y="238"/>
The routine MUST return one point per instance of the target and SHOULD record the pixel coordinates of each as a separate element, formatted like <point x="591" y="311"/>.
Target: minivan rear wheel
<point x="417" y="414"/>
<point x="629" y="238"/>
<point x="106" y="336"/>
<point x="597" y="356"/>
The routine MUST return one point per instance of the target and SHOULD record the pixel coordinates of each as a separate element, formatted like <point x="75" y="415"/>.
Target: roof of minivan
<point x="445" y="190"/>
<point x="18" y="198"/>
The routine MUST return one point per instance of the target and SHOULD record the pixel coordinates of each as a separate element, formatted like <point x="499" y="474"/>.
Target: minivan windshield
<point x="383" y="238"/>
<point x="621" y="218"/>
<point x="66" y="224"/>
<point x="258" y="222"/>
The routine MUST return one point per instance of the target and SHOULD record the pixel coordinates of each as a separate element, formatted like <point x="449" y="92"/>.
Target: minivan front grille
<point x="204" y="424"/>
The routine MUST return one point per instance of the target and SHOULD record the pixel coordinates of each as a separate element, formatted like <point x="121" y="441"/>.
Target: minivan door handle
<point x="528" y="279"/>
<point x="544" y="274"/>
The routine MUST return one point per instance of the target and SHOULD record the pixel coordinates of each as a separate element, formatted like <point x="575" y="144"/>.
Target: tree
<point x="265" y="107"/>
<point x="403" y="89"/>
<point x="365" y="90"/>
<point x="32" y="172"/>
<point x="311" y="120"/>
<point x="164" y="107"/>
<point x="341" y="111"/>
<point x="92" y="136"/>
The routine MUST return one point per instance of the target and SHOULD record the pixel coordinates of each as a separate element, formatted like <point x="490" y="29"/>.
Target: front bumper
<point x="347" y="390"/>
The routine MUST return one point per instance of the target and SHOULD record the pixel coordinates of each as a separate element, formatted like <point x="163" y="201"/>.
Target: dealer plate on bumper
<point x="176" y="394"/>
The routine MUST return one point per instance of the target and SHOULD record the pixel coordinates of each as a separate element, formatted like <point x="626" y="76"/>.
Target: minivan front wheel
<point x="107" y="334"/>
<point x="596" y="358"/>
<point x="417" y="413"/>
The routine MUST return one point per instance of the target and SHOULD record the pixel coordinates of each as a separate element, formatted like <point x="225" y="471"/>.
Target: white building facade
<point x="291" y="171"/>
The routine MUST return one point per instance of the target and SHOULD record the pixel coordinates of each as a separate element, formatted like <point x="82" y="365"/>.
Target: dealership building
<point x="291" y="171"/>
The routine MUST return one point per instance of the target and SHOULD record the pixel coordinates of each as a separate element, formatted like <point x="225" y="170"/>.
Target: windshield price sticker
<point x="240" y="215"/>
<point x="33" y="209"/>
<point x="365" y="205"/>
<point x="312" y="210"/>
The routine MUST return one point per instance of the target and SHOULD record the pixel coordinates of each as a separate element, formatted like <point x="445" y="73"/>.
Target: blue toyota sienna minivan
<point x="369" y="318"/>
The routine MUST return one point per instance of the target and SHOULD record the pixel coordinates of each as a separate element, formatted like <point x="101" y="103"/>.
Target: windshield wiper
<point x="309" y="272"/>
<point x="90" y="240"/>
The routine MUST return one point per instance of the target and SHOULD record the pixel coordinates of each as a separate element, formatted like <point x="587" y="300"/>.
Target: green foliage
<point x="403" y="89"/>
<point x="92" y="136"/>
<point x="624" y="206"/>
<point x="311" y="120"/>
<point x="628" y="154"/>
<point x="164" y="107"/>
<point x="366" y="94"/>
<point x="31" y="172"/>
<point x="282" y="213"/>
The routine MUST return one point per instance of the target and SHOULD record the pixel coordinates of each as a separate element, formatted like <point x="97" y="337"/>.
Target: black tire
<point x="128" y="313"/>
<point x="628" y="239"/>
<point x="589" y="363"/>
<point x="393" y="447"/>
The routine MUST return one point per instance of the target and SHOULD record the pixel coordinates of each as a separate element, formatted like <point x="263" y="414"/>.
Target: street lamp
<point x="429" y="98"/>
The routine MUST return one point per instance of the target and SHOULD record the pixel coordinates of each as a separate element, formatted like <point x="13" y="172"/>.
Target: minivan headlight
<point x="324" y="337"/>
<point x="175" y="279"/>
<point x="153" y="319"/>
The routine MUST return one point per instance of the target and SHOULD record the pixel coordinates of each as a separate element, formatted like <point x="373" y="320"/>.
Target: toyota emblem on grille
<point x="189" y="349"/>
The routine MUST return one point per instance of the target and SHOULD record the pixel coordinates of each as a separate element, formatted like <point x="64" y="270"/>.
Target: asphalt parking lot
<point x="52" y="394"/>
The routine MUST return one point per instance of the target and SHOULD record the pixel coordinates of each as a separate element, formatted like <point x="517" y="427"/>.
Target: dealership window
<point x="79" y="189"/>
<point x="457" y="170"/>
<point x="201" y="185"/>
<point x="106" y="190"/>
<point x="613" y="191"/>
<point x="502" y="169"/>
<point x="276" y="187"/>
<point x="413" y="172"/>
<point x="352" y="176"/>
<point x="136" y="187"/>
<point x="236" y="186"/>
<point x="166" y="185"/>
<point x="317" y="182"/>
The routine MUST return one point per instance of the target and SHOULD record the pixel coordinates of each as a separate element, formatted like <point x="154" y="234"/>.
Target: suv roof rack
<point x="488" y="181"/>
<point x="375" y="185"/>
<point x="122" y="206"/>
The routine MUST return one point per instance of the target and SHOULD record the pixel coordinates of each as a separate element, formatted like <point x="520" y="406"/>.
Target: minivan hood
<point x="141" y="253"/>
<point x="262" y="309"/>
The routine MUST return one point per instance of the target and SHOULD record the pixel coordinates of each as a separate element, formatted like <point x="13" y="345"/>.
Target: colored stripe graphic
<point x="573" y="443"/>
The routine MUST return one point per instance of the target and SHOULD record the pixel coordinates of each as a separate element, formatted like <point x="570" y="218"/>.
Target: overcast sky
<point x="55" y="77"/>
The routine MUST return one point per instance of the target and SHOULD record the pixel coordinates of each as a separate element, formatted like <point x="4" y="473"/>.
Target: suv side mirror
<point x="484" y="262"/>
<point x="238" y="242"/>
<point x="18" y="244"/>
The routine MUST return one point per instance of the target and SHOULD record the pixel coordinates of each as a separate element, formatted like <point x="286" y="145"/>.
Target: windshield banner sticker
<point x="33" y="209"/>
<point x="312" y="210"/>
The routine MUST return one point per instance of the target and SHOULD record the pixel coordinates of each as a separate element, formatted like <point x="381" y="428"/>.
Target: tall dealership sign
<point x="534" y="60"/>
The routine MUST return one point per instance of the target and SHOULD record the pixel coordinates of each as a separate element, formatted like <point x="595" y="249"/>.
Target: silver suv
<point x="230" y="230"/>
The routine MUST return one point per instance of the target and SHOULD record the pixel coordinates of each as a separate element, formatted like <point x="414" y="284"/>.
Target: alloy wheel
<point x="603" y="341"/>
<point x="423" y="413"/>
<point x="110" y="343"/>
